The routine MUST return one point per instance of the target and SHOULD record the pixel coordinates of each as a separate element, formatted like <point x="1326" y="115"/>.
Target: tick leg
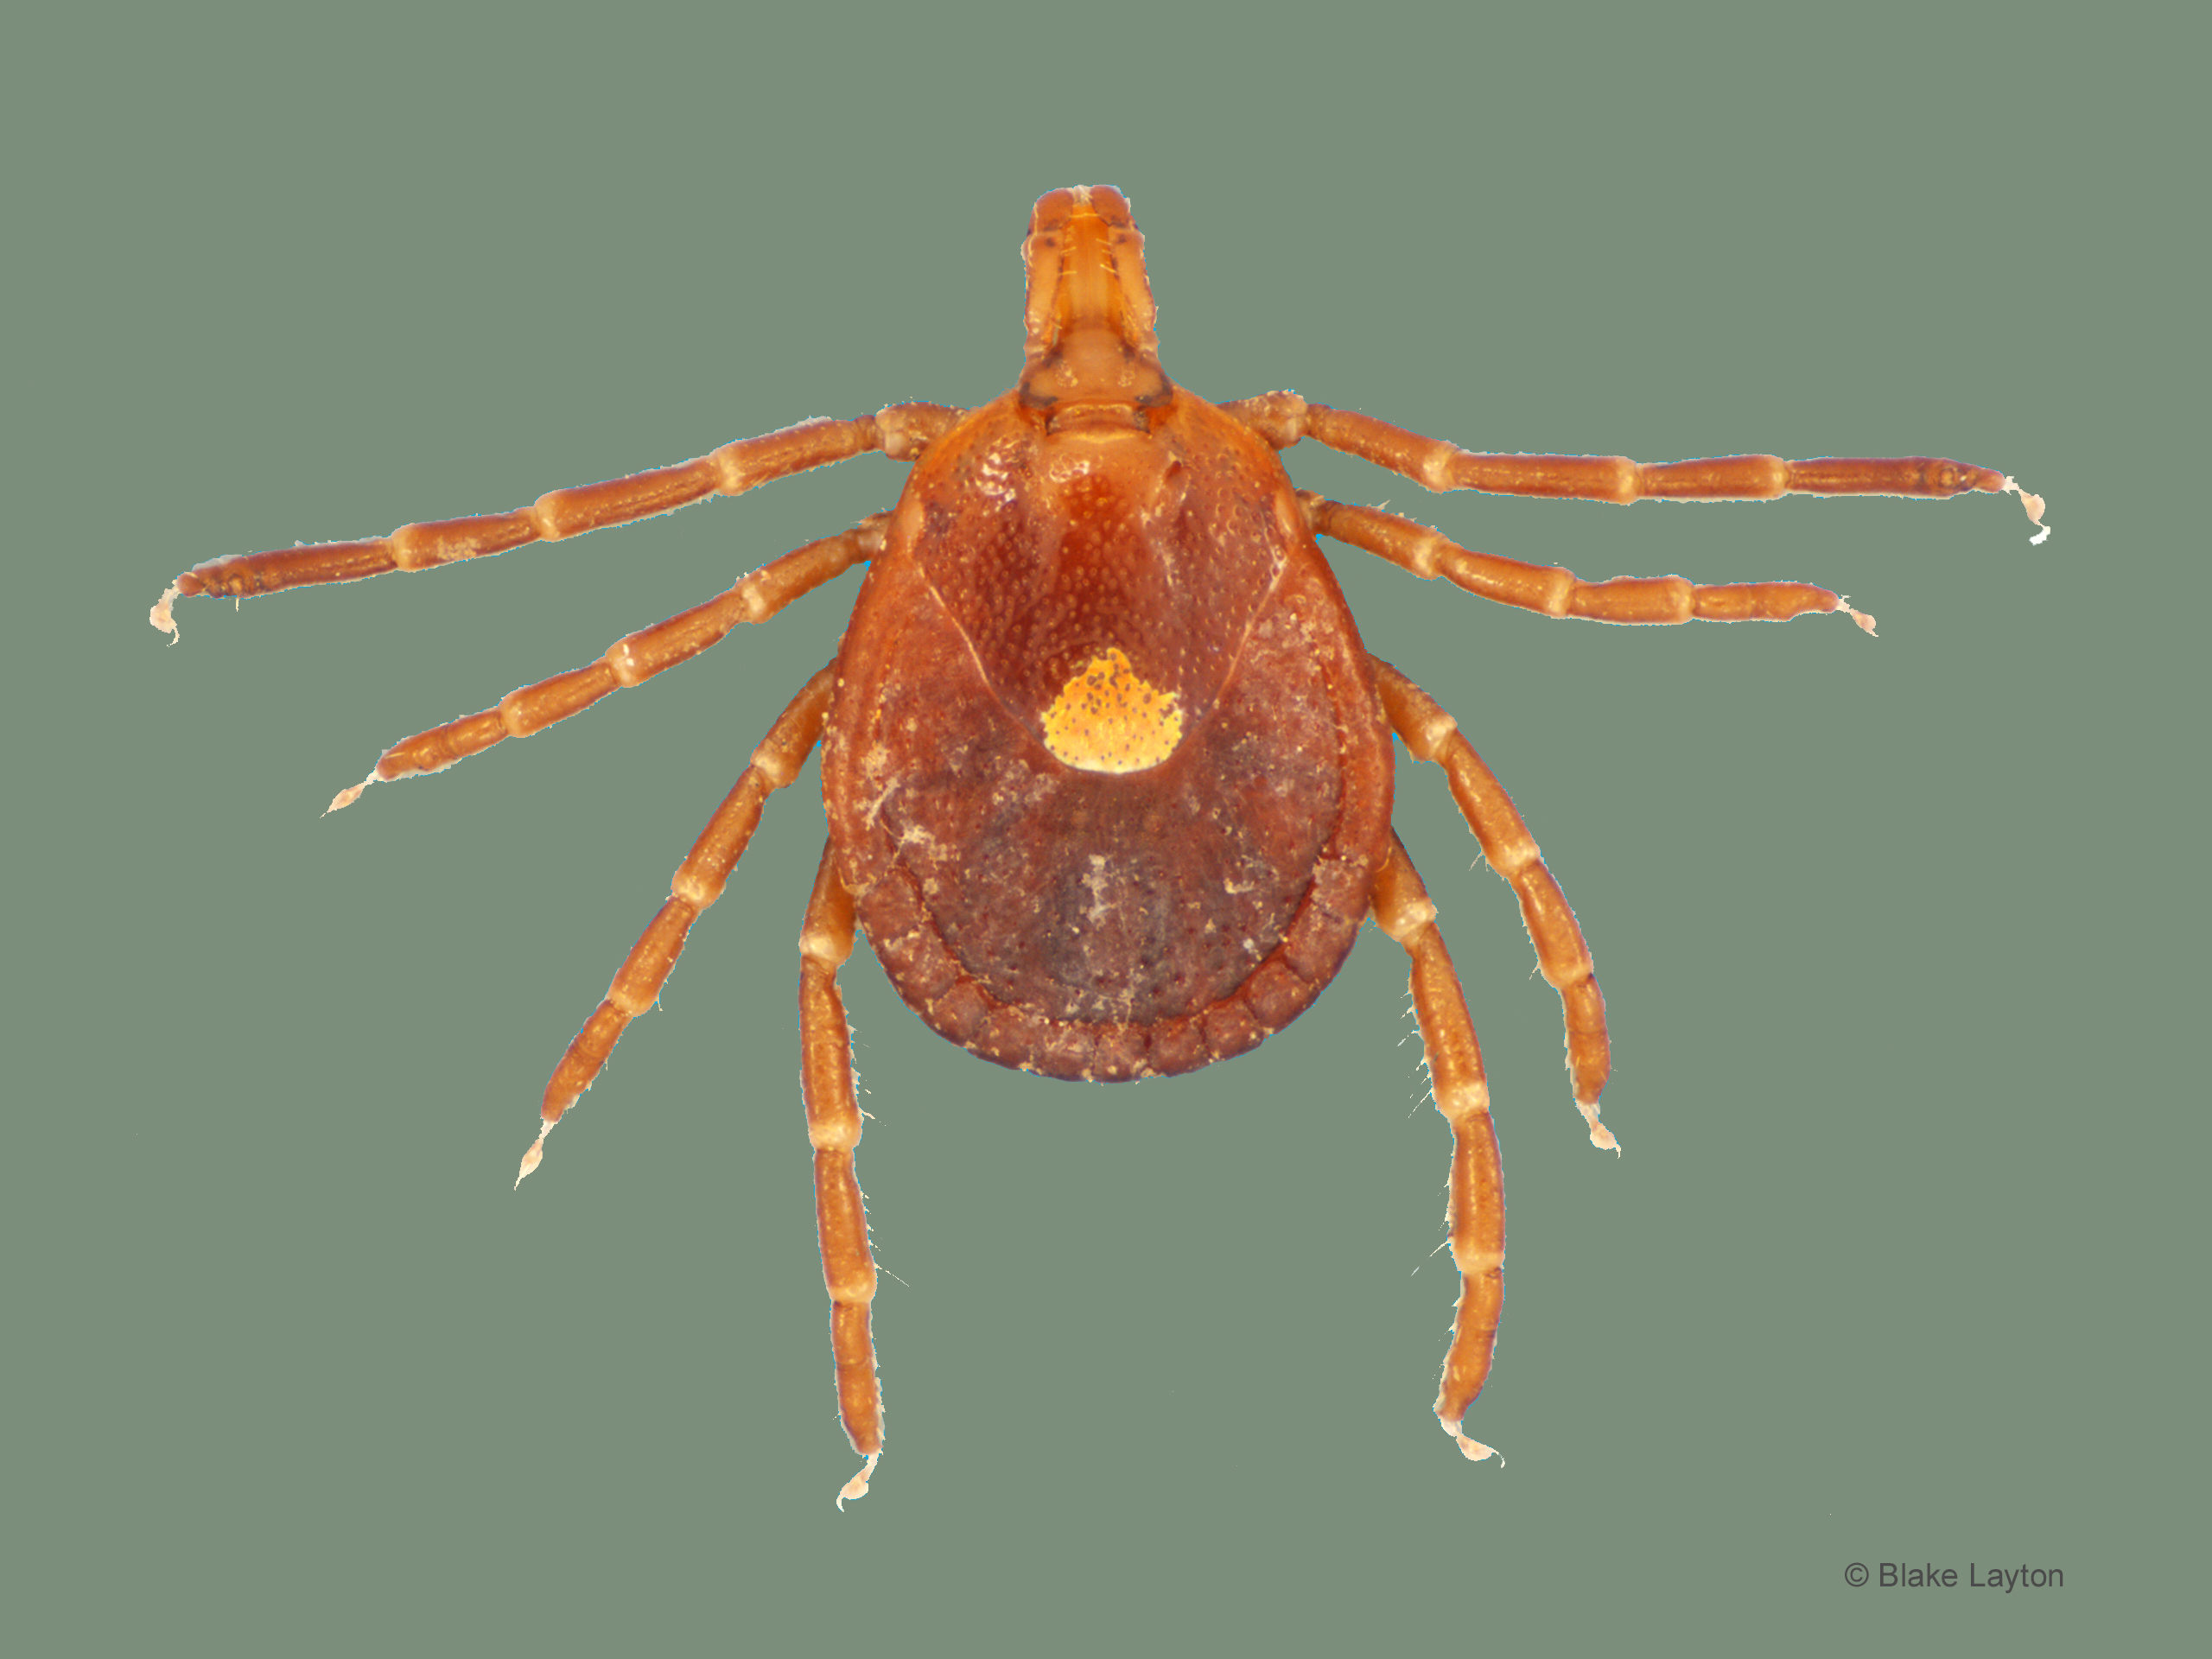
<point x="1284" y="418"/>
<point x="1475" y="1209"/>
<point x="697" y="883"/>
<point x="1555" y="592"/>
<point x="833" y="1124"/>
<point x="1431" y="734"/>
<point x="630" y="660"/>
<point x="902" y="431"/>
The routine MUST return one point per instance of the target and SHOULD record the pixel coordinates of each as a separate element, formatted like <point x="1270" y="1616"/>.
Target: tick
<point x="1108" y="771"/>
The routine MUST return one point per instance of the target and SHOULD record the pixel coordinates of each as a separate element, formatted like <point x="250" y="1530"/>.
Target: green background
<point x="1902" y="1263"/>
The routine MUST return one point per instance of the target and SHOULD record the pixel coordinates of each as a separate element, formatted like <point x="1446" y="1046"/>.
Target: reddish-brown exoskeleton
<point x="1099" y="664"/>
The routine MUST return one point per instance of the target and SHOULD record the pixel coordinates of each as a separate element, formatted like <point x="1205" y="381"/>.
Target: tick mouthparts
<point x="1090" y="318"/>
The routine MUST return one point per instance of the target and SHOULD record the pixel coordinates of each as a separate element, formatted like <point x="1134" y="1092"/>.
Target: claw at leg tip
<point x="1600" y="1136"/>
<point x="346" y="797"/>
<point x="160" y="616"/>
<point x="1474" y="1451"/>
<point x="857" y="1486"/>
<point x="530" y="1160"/>
<point x="2034" y="505"/>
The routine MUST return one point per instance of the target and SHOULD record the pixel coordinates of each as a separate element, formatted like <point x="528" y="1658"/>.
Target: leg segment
<point x="1283" y="418"/>
<point x="1475" y="1209"/>
<point x="1555" y="592"/>
<point x="833" y="1124"/>
<point x="697" y="883"/>
<point x="1431" y="734"/>
<point x="902" y="431"/>
<point x="630" y="660"/>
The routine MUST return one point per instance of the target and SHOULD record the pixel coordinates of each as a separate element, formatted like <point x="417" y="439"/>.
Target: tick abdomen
<point x="1076" y="768"/>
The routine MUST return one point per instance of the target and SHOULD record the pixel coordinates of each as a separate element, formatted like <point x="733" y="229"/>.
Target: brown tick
<point x="1107" y="769"/>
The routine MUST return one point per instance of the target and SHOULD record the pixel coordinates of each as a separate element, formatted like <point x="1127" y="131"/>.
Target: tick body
<point x="1107" y="769"/>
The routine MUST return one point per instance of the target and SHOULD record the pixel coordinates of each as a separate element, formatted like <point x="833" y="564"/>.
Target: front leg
<point x="902" y="431"/>
<point x="1284" y="417"/>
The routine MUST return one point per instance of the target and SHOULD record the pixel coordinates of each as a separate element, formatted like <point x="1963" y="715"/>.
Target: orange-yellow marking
<point x="1109" y="718"/>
